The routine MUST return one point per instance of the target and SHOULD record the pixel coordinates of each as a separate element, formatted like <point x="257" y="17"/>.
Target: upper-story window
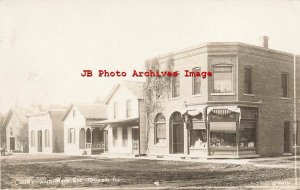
<point x="284" y="85"/>
<point x="115" y="110"/>
<point x="222" y="79"/>
<point x="175" y="86"/>
<point x="248" y="80"/>
<point x="128" y="108"/>
<point x="196" y="82"/>
<point x="74" y="113"/>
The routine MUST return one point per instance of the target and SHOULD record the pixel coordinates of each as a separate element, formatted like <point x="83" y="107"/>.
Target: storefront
<point x="230" y="130"/>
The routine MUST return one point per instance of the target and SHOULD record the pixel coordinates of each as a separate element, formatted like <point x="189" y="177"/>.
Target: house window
<point x="115" y="136"/>
<point x="128" y="108"/>
<point x="284" y="85"/>
<point x="248" y="81"/>
<point x="32" y="138"/>
<point x="222" y="79"/>
<point x="124" y="137"/>
<point x="196" y="82"/>
<point x="160" y="129"/>
<point x="115" y="110"/>
<point x="47" y="144"/>
<point x="175" y="86"/>
<point x="11" y="131"/>
<point x="71" y="135"/>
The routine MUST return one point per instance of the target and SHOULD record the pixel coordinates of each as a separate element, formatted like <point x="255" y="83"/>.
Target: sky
<point x="46" y="44"/>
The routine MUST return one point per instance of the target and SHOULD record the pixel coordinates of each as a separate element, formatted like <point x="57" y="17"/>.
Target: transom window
<point x="222" y="79"/>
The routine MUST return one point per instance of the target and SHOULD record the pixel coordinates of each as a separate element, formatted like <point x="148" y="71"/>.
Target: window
<point x="115" y="136"/>
<point x="223" y="134"/>
<point x="74" y="113"/>
<point x="160" y="129"/>
<point x="125" y="137"/>
<point x="32" y="139"/>
<point x="175" y="86"/>
<point x="196" y="82"/>
<point x="128" y="108"/>
<point x="115" y="110"/>
<point x="198" y="135"/>
<point x="248" y="81"/>
<point x="47" y="144"/>
<point x="71" y="136"/>
<point x="11" y="131"/>
<point x="284" y="85"/>
<point x="222" y="79"/>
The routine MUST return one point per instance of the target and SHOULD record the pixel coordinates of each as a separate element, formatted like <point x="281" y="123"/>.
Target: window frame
<point x="115" y="104"/>
<point x="193" y="81"/>
<point x="128" y="108"/>
<point x="156" y="125"/>
<point x="251" y="80"/>
<point x="287" y="85"/>
<point x="213" y="83"/>
<point x="172" y="85"/>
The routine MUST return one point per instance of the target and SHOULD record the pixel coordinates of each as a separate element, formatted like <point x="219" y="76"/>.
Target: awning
<point x="124" y="122"/>
<point x="194" y="111"/>
<point x="223" y="110"/>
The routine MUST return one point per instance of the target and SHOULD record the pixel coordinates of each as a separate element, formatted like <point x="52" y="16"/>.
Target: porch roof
<point x="127" y="121"/>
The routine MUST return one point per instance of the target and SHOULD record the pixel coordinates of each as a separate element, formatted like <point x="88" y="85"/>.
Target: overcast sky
<point x="45" y="44"/>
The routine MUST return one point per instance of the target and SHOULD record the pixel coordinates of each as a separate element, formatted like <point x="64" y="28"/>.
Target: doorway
<point x="176" y="134"/>
<point x="12" y="143"/>
<point x="135" y="140"/>
<point x="286" y="136"/>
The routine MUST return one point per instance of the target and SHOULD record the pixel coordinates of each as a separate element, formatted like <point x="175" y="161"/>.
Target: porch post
<point x="237" y="134"/>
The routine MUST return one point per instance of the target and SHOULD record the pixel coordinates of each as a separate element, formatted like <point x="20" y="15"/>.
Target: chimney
<point x="265" y="41"/>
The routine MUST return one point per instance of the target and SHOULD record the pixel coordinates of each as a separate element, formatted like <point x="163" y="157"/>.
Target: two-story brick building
<point x="245" y="109"/>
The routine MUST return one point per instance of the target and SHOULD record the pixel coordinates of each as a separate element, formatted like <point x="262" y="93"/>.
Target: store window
<point x="160" y="129"/>
<point x="223" y="134"/>
<point x="198" y="136"/>
<point x="223" y="79"/>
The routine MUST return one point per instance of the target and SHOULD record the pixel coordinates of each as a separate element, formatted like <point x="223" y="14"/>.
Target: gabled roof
<point x="89" y="111"/>
<point x="20" y="114"/>
<point x="136" y="87"/>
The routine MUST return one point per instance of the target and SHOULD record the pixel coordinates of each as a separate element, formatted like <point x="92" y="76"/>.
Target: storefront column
<point x="237" y="134"/>
<point x="208" y="135"/>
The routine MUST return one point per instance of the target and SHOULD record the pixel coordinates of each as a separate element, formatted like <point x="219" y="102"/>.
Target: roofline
<point x="204" y="45"/>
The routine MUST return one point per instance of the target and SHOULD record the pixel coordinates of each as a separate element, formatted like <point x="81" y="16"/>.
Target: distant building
<point x="14" y="130"/>
<point x="125" y="131"/>
<point x="244" y="110"/>
<point x="81" y="134"/>
<point x="46" y="132"/>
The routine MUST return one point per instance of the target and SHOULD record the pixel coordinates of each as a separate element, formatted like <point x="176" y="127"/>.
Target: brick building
<point x="246" y="109"/>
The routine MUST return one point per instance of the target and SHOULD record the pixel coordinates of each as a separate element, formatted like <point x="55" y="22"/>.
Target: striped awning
<point x="223" y="110"/>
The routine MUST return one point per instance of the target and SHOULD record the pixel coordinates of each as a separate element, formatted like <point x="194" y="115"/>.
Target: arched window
<point x="160" y="129"/>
